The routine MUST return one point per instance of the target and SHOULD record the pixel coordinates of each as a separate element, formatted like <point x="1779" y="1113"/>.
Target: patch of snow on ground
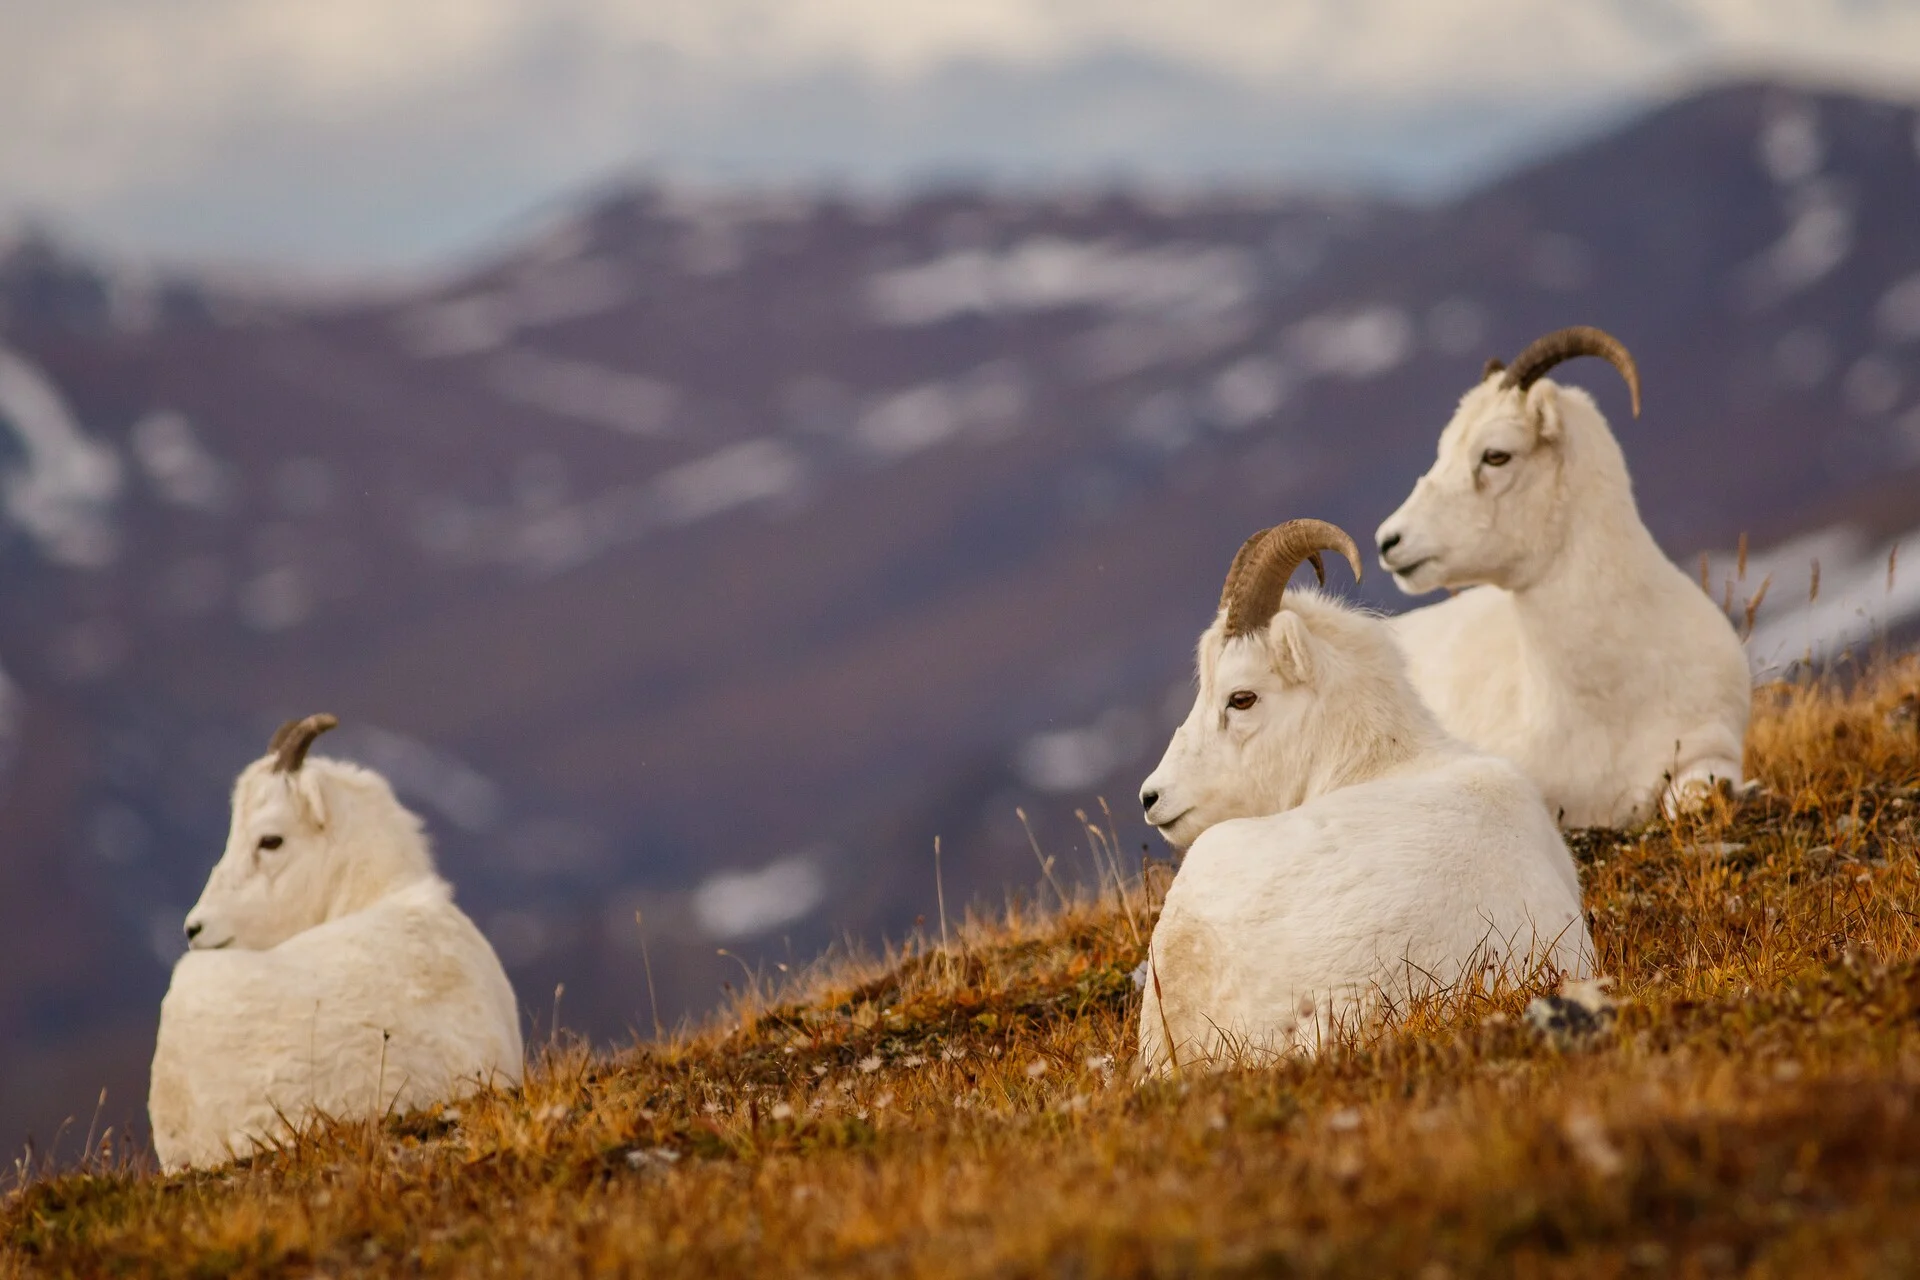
<point x="1248" y="390"/>
<point x="181" y="469"/>
<point x="1818" y="238"/>
<point x="1858" y="598"/>
<point x="547" y="534"/>
<point x="741" y="904"/>
<point x="754" y="471"/>
<point x="1068" y="760"/>
<point x="627" y="402"/>
<point x="1048" y="273"/>
<point x="990" y="398"/>
<point x="1134" y="344"/>
<point x="424" y="774"/>
<point x="1789" y="145"/>
<point x="63" y="497"/>
<point x="1351" y="344"/>
<point x="488" y="319"/>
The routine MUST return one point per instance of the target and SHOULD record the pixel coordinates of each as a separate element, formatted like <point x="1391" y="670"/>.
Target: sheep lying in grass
<point x="1581" y="653"/>
<point x="329" y="970"/>
<point x="1343" y="850"/>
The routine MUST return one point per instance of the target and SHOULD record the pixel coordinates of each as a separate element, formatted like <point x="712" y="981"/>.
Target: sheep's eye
<point x="1243" y="699"/>
<point x="271" y="842"/>
<point x="1496" y="457"/>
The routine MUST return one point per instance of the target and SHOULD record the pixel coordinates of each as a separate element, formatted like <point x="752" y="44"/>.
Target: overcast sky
<point x="366" y="133"/>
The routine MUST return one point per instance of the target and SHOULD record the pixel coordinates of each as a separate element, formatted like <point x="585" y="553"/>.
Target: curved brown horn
<point x="291" y="743"/>
<point x="1238" y="568"/>
<point x="1262" y="580"/>
<point x="280" y="736"/>
<point x="1564" y="344"/>
<point x="1493" y="365"/>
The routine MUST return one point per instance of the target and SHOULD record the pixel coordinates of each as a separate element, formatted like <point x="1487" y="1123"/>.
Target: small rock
<point x="1345" y="1120"/>
<point x="654" y="1160"/>
<point x="1139" y="976"/>
<point x="1573" y="1017"/>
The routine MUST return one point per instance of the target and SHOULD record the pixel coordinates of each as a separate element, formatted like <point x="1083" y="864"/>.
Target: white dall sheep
<point x="1342" y="850"/>
<point x="329" y="970"/>
<point x="1578" y="650"/>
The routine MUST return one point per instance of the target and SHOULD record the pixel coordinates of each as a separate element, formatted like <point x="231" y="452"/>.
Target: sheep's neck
<point x="1580" y="622"/>
<point x="1400" y="735"/>
<point x="361" y="885"/>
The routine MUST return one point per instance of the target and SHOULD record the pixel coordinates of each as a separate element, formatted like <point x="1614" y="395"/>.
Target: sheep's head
<point x="309" y="840"/>
<point x="1280" y="677"/>
<point x="1492" y="509"/>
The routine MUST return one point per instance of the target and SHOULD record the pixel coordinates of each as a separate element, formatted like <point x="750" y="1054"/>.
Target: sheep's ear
<point x="312" y="799"/>
<point x="1292" y="647"/>
<point x="1543" y="410"/>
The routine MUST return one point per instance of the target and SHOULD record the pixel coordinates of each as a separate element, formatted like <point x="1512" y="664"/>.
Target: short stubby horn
<point x="1544" y="353"/>
<point x="292" y="740"/>
<point x="1258" y="579"/>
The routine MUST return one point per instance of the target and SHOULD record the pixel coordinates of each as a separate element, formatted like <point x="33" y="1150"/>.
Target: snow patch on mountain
<point x="63" y="495"/>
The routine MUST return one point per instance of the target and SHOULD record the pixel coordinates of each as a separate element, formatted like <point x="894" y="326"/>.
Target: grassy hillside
<point x="1754" y="1106"/>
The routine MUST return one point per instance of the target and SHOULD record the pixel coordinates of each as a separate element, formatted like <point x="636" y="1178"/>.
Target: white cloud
<point x="134" y="118"/>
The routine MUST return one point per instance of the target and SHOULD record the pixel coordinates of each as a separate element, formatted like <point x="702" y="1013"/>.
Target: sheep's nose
<point x="1389" y="542"/>
<point x="1148" y="799"/>
<point x="193" y="930"/>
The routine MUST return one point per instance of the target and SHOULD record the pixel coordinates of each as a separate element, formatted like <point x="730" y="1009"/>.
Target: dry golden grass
<point x="1752" y="1109"/>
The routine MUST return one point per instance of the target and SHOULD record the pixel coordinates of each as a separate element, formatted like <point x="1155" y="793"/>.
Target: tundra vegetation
<point x="1752" y="1106"/>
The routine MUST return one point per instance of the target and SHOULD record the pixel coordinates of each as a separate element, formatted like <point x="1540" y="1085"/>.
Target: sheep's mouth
<point x="1406" y="570"/>
<point x="212" y="946"/>
<point x="1165" y="827"/>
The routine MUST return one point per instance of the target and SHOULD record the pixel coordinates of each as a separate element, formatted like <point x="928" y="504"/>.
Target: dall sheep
<point x="1576" y="648"/>
<point x="1342" y="849"/>
<point x="329" y="972"/>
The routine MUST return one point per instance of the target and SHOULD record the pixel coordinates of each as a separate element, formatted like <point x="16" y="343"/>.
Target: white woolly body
<point x="1343" y="851"/>
<point x="1581" y="653"/>
<point x="391" y="998"/>
<point x="399" y="1005"/>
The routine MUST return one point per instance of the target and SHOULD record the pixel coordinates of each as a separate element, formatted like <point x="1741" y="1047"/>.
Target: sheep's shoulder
<point x="1463" y="654"/>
